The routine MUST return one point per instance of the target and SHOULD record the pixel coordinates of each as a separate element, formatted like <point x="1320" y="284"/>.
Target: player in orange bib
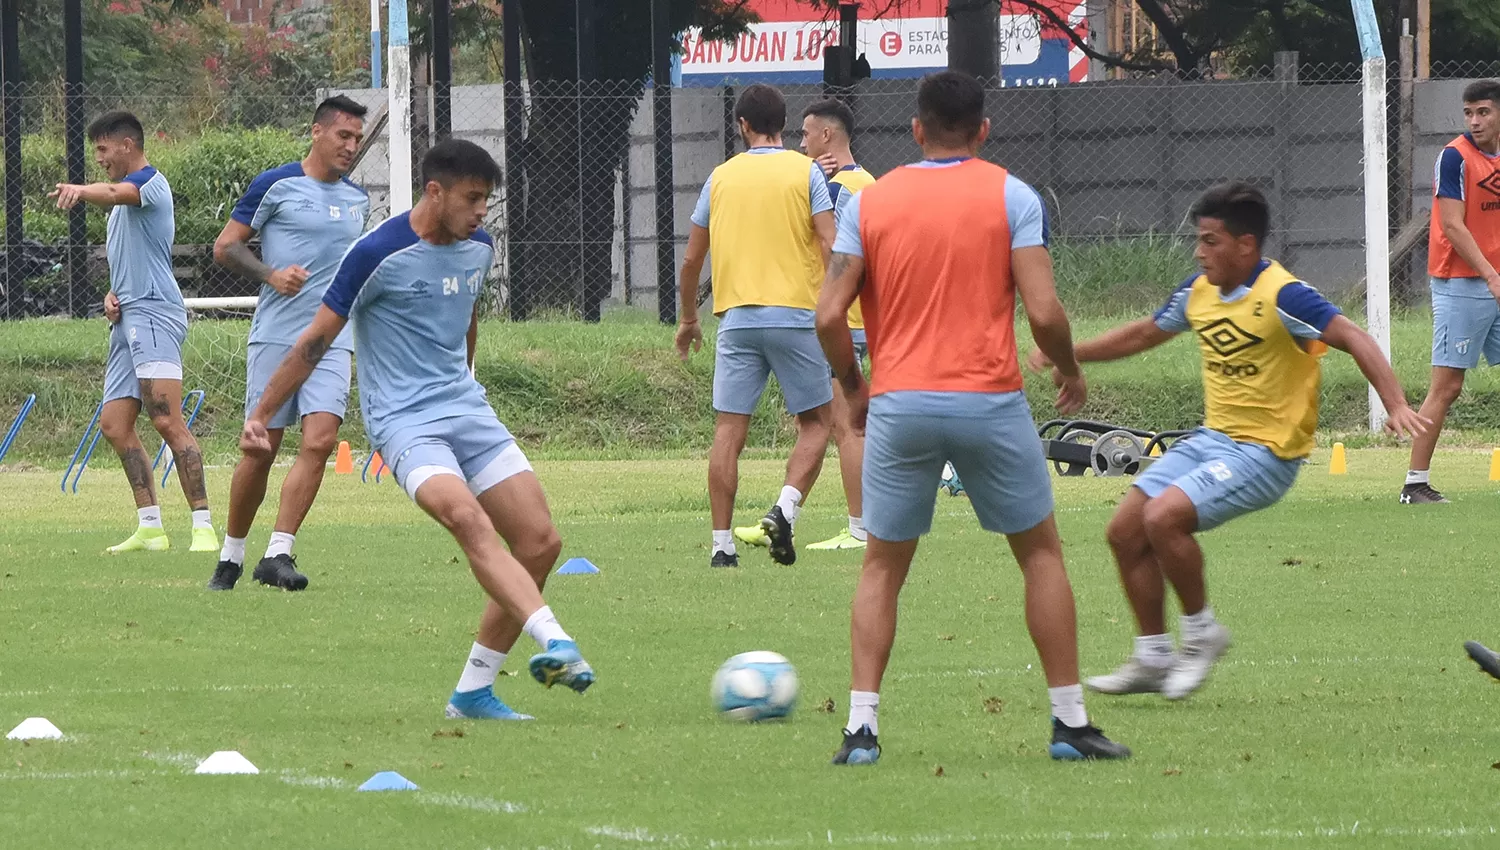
<point x="937" y="253"/>
<point x="1463" y="251"/>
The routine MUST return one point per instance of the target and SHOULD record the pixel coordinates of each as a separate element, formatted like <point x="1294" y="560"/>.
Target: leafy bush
<point x="208" y="174"/>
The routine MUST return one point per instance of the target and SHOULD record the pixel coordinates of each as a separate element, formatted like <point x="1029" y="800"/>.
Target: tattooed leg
<point x="164" y="405"/>
<point x="117" y="422"/>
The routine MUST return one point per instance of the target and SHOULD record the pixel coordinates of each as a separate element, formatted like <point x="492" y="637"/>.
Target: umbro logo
<point x="1491" y="183"/>
<point x="1226" y="338"/>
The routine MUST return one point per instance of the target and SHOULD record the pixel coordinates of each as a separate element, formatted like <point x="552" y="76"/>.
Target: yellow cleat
<point x="143" y="540"/>
<point x="842" y="540"/>
<point x="204" y="540"/>
<point x="752" y="535"/>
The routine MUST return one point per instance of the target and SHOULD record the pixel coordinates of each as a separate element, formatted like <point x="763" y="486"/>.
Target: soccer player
<point x="937" y="252"/>
<point x="148" y="324"/>
<point x="827" y="128"/>
<point x="307" y="214"/>
<point x="1463" y="251"/>
<point x="1262" y="333"/>
<point x="769" y="218"/>
<point x="411" y="287"/>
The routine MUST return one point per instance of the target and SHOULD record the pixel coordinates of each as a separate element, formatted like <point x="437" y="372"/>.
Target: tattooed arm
<point x="289" y="377"/>
<point x="232" y="251"/>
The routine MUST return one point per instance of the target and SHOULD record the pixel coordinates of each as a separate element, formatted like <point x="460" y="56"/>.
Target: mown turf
<point x="1345" y="715"/>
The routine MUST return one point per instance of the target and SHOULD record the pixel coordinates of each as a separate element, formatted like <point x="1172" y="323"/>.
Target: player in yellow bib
<point x="1261" y="332"/>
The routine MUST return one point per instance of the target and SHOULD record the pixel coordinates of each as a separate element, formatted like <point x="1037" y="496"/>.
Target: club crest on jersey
<point x="1227" y="338"/>
<point x="475" y="278"/>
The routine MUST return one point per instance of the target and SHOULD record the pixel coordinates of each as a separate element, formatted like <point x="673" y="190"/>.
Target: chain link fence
<point x="588" y="196"/>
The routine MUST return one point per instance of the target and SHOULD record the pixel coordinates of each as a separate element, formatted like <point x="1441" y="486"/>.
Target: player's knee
<point x="462" y="517"/>
<point x="1162" y="518"/>
<point x="539" y="553"/>
<point x="116" y="430"/>
<point x="1126" y="533"/>
<point x="317" y="446"/>
<point x="1445" y="390"/>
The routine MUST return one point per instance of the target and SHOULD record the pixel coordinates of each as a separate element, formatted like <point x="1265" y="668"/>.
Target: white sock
<point x="201" y="519"/>
<point x="790" y="503"/>
<point x="281" y="544"/>
<point x="150" y="516"/>
<point x="857" y="528"/>
<point x="233" y="551"/>
<point x="724" y="542"/>
<point x="481" y="669"/>
<point x="1418" y="476"/>
<point x="1193" y="624"/>
<point x="1154" y="650"/>
<point x="1067" y="705"/>
<point x="863" y="706"/>
<point x="543" y="627"/>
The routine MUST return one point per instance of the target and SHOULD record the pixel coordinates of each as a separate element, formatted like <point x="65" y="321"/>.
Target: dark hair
<point x="833" y="109"/>
<point x="338" y="104"/>
<point x="1241" y="207"/>
<point x="1482" y="90"/>
<point x="763" y="108"/>
<point x="118" y="124"/>
<point x="950" y="105"/>
<point x="452" y="160"/>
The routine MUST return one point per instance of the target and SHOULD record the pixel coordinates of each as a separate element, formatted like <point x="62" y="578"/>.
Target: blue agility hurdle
<point x="15" y="426"/>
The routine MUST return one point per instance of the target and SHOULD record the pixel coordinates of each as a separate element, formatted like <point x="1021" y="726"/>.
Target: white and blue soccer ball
<point x="755" y="686"/>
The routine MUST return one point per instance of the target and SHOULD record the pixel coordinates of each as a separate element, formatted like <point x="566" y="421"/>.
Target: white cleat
<point x="1132" y="677"/>
<point x="1195" y="661"/>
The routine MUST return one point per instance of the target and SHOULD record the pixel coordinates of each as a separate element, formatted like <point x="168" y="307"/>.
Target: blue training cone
<point x="388" y="780"/>
<point x="577" y="567"/>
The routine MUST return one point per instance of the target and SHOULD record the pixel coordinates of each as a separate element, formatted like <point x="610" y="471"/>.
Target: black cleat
<point x="1485" y="657"/>
<point x="725" y="559"/>
<point x="1084" y="742"/>
<point x="859" y="747"/>
<point x="779" y="533"/>
<point x="280" y="571"/>
<point x="1421" y="494"/>
<point x="225" y="575"/>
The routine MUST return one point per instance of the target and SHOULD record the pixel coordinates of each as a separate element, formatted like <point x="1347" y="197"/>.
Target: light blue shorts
<point x="475" y="447"/>
<point x="326" y="389"/>
<point x="1465" y="323"/>
<point x="744" y="358"/>
<point x="1222" y="478"/>
<point x="989" y="438"/>
<point x="145" y="343"/>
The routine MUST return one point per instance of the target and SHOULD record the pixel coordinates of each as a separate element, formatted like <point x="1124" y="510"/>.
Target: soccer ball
<point x="755" y="686"/>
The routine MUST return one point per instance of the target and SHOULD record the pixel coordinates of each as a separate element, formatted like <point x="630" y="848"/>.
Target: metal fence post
<point x="10" y="93"/>
<point x="666" y="212"/>
<point x="73" y="129"/>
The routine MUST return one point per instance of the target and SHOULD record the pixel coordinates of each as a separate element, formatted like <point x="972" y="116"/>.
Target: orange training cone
<point x="343" y="464"/>
<point x="1495" y="465"/>
<point x="378" y="463"/>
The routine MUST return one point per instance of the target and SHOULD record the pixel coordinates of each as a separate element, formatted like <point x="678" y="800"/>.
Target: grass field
<point x="616" y="389"/>
<point x="1346" y="714"/>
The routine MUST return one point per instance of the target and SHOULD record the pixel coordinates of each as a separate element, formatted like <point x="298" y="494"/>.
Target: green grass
<point x="1345" y="714"/>
<point x="616" y="389"/>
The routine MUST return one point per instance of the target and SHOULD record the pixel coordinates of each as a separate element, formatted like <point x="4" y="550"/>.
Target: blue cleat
<point x="480" y="704"/>
<point x="562" y="664"/>
<point x="1083" y="743"/>
<point x="860" y="747"/>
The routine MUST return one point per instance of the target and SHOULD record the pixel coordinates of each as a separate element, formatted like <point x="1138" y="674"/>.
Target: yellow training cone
<point x="1495" y="465"/>
<point x="1340" y="463"/>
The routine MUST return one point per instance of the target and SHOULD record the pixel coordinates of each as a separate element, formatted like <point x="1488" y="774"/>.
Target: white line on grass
<point x="1293" y="661"/>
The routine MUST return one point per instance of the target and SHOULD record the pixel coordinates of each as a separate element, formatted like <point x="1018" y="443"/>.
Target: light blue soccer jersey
<point x="305" y="222"/>
<point x="138" y="243"/>
<point x="410" y="303"/>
